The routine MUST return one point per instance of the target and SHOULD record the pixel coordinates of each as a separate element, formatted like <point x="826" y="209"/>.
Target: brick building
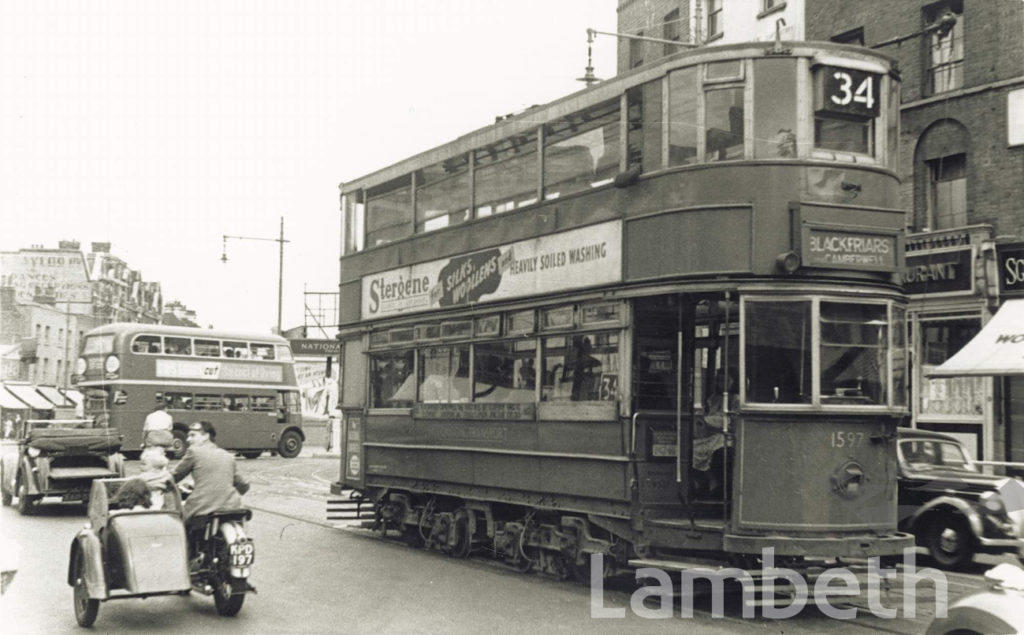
<point x="961" y="63"/>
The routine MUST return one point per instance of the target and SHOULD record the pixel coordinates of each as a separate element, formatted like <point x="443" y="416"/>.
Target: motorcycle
<point x="140" y="553"/>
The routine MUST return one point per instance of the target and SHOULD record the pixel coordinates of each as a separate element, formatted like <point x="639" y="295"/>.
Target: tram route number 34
<point x="242" y="554"/>
<point x="847" y="440"/>
<point x="850" y="92"/>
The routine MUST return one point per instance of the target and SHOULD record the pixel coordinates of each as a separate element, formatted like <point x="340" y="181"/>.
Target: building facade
<point x="961" y="166"/>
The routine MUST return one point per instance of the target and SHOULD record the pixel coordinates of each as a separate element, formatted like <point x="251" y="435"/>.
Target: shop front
<point x="950" y="300"/>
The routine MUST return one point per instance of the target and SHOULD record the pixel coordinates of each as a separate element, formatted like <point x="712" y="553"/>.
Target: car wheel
<point x="86" y="608"/>
<point x="950" y="541"/>
<point x="26" y="502"/>
<point x="179" y="444"/>
<point x="290" y="445"/>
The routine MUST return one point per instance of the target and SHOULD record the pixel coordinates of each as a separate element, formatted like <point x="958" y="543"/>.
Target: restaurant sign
<point x="558" y="262"/>
<point x="835" y="247"/>
<point x="939" y="272"/>
<point x="1010" y="258"/>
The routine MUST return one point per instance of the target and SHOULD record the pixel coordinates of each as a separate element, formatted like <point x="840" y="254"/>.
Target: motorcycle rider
<point x="217" y="484"/>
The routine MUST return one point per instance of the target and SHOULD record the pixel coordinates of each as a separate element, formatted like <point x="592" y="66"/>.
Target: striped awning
<point x="10" y="402"/>
<point x="28" y="394"/>
<point x="55" y="396"/>
<point x="73" y="396"/>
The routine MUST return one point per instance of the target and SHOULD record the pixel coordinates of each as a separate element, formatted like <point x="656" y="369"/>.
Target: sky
<point x="160" y="127"/>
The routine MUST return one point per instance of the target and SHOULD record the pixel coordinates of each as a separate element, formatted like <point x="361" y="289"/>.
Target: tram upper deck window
<point x="644" y="127"/>
<point x="506" y="175"/>
<point x="582" y="150"/>
<point x="683" y="126"/>
<point x="854" y="353"/>
<point x="392" y="382"/>
<point x="847" y="103"/>
<point x="389" y="212"/>
<point x="778" y="351"/>
<point x="776" y="107"/>
<point x="442" y="194"/>
<point x="354" y="222"/>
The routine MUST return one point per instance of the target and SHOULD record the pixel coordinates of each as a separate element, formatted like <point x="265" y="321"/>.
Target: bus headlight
<point x="112" y="364"/>
<point x="81" y="366"/>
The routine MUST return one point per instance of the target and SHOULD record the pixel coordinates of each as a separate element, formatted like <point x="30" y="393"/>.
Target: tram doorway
<point x="686" y="352"/>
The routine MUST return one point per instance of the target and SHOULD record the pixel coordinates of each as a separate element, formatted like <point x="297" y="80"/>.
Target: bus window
<point x="208" y="348"/>
<point x="391" y="380"/>
<point x="290" y="402"/>
<point x="146" y="344"/>
<point x="264" y="403"/>
<point x="178" y="401"/>
<point x="98" y="345"/>
<point x="262" y="351"/>
<point x="284" y="353"/>
<point x="178" y="346"/>
<point x="237" y="403"/>
<point x="239" y="350"/>
<point x="208" y="402"/>
<point x="580" y="367"/>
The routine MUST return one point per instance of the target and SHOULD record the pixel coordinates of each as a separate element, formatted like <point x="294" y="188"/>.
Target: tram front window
<point x="778" y="351"/>
<point x="854" y="353"/>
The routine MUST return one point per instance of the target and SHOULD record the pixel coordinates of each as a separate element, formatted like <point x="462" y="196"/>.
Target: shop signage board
<point x="1010" y="263"/>
<point x="567" y="260"/>
<point x="315" y="347"/>
<point x="943" y="272"/>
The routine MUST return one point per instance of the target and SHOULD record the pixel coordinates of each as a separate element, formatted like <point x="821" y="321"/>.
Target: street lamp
<point x="280" y="269"/>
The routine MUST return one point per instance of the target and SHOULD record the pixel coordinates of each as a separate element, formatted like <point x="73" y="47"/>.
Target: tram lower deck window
<point x="580" y="367"/>
<point x="392" y="383"/>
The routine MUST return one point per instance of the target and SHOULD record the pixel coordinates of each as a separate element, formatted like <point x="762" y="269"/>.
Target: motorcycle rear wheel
<point x="226" y="598"/>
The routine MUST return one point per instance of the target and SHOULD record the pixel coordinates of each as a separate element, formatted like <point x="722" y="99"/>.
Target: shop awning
<point x="997" y="350"/>
<point x="55" y="396"/>
<point x="10" y="402"/>
<point x="28" y="394"/>
<point x="73" y="395"/>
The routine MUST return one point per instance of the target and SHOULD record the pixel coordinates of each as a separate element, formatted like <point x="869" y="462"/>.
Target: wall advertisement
<point x="558" y="262"/>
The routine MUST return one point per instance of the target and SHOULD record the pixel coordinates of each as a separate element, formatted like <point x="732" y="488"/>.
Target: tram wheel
<point x="950" y="541"/>
<point x="461" y="542"/>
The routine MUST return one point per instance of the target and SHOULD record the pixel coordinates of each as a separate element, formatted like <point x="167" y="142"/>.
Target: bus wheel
<point x="290" y="444"/>
<point x="178" y="445"/>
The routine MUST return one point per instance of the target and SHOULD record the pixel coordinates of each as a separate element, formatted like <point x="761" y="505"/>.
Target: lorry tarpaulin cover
<point x="74" y="440"/>
<point x="998" y="349"/>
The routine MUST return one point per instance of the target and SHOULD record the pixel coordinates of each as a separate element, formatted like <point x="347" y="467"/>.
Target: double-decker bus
<point x="538" y="318"/>
<point x="242" y="383"/>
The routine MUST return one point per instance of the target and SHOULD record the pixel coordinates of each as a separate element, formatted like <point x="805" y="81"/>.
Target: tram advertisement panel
<point x="557" y="262"/>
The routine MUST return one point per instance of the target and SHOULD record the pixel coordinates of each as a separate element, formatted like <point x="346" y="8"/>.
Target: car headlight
<point x="34" y="452"/>
<point x="81" y="366"/>
<point x="112" y="364"/>
<point x="993" y="502"/>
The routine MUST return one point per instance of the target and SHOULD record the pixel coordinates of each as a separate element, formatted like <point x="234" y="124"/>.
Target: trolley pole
<point x="280" y="264"/>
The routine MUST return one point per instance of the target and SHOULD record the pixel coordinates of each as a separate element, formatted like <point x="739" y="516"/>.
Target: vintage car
<point x="952" y="508"/>
<point x="58" y="458"/>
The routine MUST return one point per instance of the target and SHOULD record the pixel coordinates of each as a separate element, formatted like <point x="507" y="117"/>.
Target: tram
<point x="656" y="319"/>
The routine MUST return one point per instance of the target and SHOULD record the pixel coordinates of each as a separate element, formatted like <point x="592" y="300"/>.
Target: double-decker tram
<point x="652" y="320"/>
<point x="242" y="383"/>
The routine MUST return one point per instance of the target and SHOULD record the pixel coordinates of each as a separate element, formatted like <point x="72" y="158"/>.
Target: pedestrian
<point x="157" y="430"/>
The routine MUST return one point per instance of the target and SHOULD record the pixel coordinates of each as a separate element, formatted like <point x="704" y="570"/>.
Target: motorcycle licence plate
<point x="242" y="555"/>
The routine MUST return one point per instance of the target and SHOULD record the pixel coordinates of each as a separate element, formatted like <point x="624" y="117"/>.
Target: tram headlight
<point x="81" y="366"/>
<point x="112" y="364"/>
<point x="788" y="261"/>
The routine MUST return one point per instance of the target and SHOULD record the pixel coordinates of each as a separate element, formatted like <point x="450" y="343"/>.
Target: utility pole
<point x="280" y="265"/>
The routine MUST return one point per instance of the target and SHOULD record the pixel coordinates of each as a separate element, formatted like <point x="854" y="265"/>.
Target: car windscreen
<point x="931" y="454"/>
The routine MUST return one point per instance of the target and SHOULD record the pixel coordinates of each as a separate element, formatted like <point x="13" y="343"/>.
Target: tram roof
<point x="532" y="117"/>
<point x="133" y="328"/>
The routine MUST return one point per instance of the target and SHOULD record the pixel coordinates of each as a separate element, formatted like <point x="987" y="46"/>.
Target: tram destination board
<point x="849" y="248"/>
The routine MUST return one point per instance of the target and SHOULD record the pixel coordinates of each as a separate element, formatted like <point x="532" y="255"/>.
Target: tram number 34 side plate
<point x="242" y="554"/>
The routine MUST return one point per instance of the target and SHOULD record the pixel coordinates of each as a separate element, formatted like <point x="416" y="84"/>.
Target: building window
<point x="947" y="204"/>
<point x="714" y="18"/>
<point x="946" y="47"/>
<point x="670" y="31"/>
<point x="853" y="36"/>
<point x="46" y="338"/>
<point x="636" y="51"/>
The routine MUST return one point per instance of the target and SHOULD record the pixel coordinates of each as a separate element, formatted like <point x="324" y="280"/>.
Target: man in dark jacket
<point x="217" y="484"/>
